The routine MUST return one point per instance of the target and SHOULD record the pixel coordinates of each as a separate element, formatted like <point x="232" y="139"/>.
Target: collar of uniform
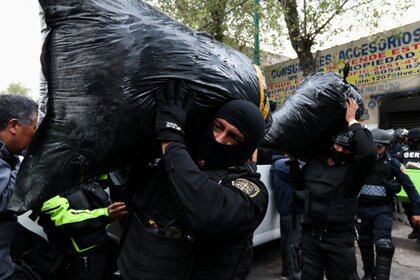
<point x="8" y="156"/>
<point x="384" y="157"/>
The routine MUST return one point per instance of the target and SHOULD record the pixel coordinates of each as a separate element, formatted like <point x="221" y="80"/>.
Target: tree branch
<point x="319" y="29"/>
<point x="304" y="17"/>
<point x="204" y="27"/>
<point x="358" y="5"/>
<point x="291" y="17"/>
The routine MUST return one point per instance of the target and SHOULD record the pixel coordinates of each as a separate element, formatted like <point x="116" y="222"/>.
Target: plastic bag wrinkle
<point x="102" y="62"/>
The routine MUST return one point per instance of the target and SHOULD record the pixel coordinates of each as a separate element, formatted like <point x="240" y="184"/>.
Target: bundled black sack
<point x="305" y="124"/>
<point x="103" y="61"/>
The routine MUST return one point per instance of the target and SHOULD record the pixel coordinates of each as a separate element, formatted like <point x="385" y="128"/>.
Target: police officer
<point x="193" y="219"/>
<point x="376" y="208"/>
<point x="399" y="144"/>
<point x="332" y="184"/>
<point x="75" y="223"/>
<point x="290" y="207"/>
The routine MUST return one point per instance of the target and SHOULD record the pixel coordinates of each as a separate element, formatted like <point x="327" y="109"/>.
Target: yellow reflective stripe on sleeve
<point x="103" y="177"/>
<point x="78" y="250"/>
<point x="52" y="203"/>
<point x="263" y="101"/>
<point x="59" y="209"/>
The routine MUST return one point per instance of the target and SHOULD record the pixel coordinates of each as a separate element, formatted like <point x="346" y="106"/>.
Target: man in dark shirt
<point x="289" y="204"/>
<point x="376" y="206"/>
<point x="193" y="219"/>
<point x="332" y="184"/>
<point x="18" y="116"/>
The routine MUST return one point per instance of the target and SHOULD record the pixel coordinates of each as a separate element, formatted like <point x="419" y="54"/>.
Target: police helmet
<point x="344" y="139"/>
<point x="400" y="133"/>
<point x="381" y="137"/>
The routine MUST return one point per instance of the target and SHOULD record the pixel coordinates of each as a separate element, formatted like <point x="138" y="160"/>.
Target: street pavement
<point x="405" y="266"/>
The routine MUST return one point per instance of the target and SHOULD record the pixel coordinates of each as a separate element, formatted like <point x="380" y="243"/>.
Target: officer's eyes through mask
<point x="244" y="116"/>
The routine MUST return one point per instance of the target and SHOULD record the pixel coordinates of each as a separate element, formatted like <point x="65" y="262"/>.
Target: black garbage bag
<point x="306" y="123"/>
<point x="103" y="61"/>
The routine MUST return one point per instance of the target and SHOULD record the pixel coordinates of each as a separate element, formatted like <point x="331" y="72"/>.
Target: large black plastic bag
<point x="103" y="60"/>
<point x="309" y="118"/>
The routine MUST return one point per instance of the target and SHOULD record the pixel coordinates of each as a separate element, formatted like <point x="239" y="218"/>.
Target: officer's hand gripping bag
<point x="102" y="62"/>
<point x="303" y="127"/>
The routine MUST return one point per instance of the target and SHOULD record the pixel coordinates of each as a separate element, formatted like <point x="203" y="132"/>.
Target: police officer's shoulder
<point x="396" y="164"/>
<point x="251" y="186"/>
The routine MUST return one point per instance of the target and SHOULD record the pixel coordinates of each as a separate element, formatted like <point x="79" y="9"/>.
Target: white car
<point x="269" y="229"/>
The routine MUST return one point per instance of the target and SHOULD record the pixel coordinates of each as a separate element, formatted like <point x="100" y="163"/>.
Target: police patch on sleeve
<point x="246" y="186"/>
<point x="403" y="169"/>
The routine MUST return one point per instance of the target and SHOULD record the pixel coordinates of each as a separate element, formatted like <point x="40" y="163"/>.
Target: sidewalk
<point x="406" y="261"/>
<point x="400" y="239"/>
<point x="405" y="265"/>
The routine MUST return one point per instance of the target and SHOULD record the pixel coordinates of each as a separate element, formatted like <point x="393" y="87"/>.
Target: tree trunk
<point x="217" y="11"/>
<point x="301" y="43"/>
<point x="306" y="58"/>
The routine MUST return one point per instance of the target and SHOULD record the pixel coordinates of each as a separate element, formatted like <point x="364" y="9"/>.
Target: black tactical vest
<point x="374" y="189"/>
<point x="149" y="252"/>
<point x="325" y="199"/>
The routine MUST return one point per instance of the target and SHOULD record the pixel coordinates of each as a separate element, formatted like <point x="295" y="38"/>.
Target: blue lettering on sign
<point x="382" y="45"/>
<point x="342" y="55"/>
<point x="274" y="74"/>
<point x="285" y="71"/>
<point x="416" y="34"/>
<point x="349" y="53"/>
<point x="356" y="52"/>
<point x="372" y="48"/>
<point x="324" y="60"/>
<point x="328" y="59"/>
<point x="364" y="49"/>
<point x="392" y="42"/>
<point x="406" y="38"/>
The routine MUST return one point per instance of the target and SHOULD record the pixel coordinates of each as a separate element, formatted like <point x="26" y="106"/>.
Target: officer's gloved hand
<point x="172" y="108"/>
<point x="392" y="186"/>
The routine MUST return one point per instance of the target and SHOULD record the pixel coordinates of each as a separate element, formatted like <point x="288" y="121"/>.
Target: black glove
<point x="172" y="108"/>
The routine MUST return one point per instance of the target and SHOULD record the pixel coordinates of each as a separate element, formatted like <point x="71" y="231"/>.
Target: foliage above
<point x="16" y="88"/>
<point x="229" y="21"/>
<point x="308" y="23"/>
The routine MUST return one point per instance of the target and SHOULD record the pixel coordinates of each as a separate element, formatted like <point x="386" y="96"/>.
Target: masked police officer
<point x="376" y="206"/>
<point x="332" y="184"/>
<point x="193" y="219"/>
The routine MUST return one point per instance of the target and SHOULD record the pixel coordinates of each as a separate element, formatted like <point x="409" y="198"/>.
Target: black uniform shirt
<point x="386" y="170"/>
<point x="352" y="175"/>
<point x="218" y="204"/>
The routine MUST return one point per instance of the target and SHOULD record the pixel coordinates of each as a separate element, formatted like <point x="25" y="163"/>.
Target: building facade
<point x="385" y="67"/>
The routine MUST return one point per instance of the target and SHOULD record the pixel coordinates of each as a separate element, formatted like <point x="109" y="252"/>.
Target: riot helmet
<point x="400" y="135"/>
<point x="344" y="139"/>
<point x="381" y="137"/>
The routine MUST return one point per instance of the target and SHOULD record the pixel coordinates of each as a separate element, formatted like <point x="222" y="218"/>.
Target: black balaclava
<point x="340" y="158"/>
<point x="247" y="118"/>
